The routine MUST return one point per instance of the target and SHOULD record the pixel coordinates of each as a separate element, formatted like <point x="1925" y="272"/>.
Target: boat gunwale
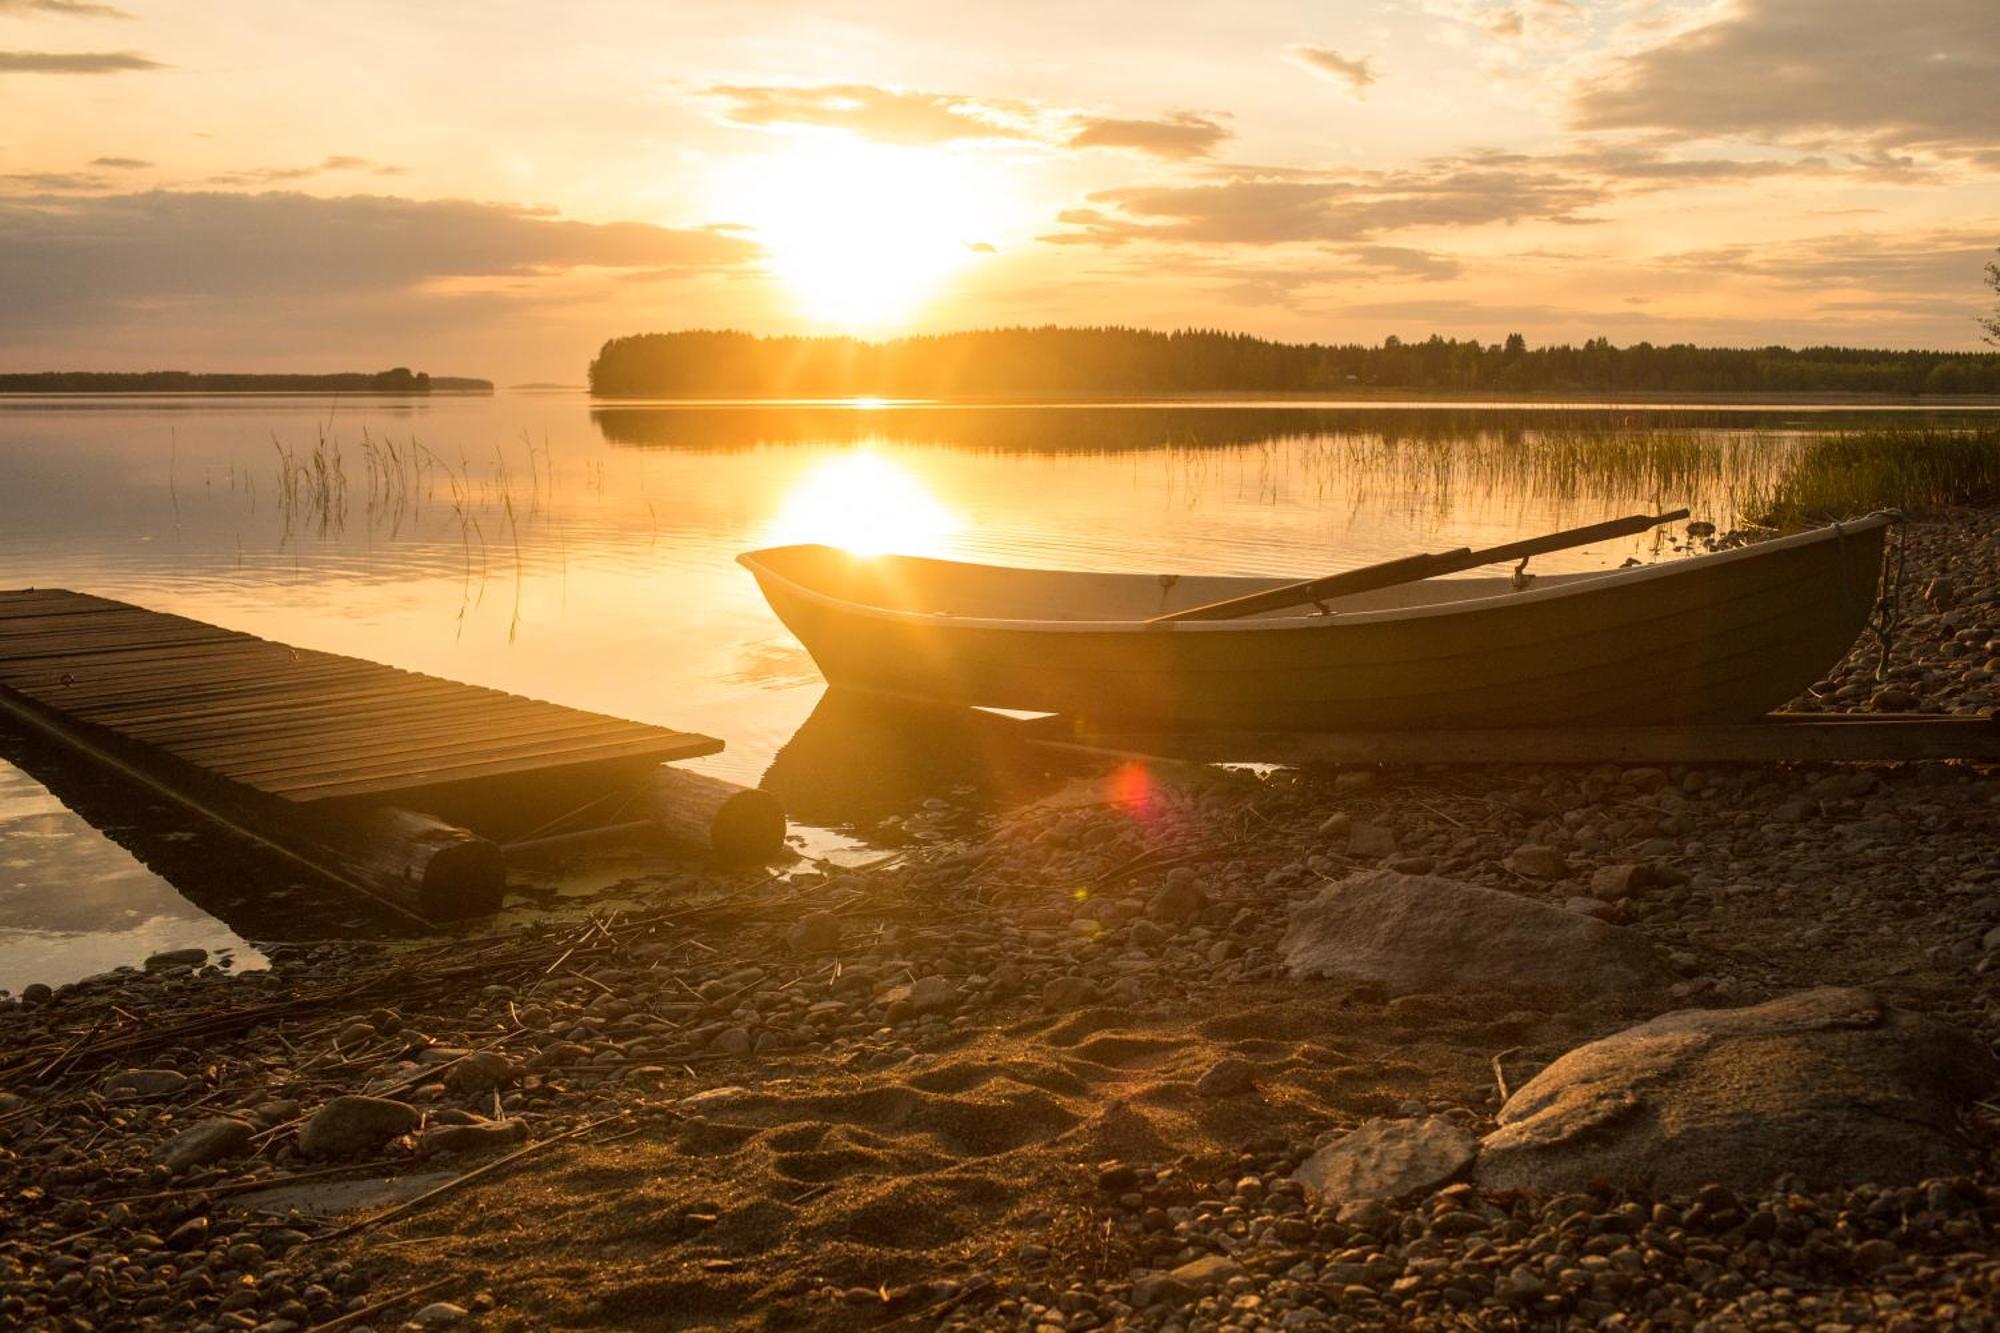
<point x="1573" y="587"/>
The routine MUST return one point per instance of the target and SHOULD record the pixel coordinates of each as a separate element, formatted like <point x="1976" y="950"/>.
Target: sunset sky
<point x="495" y="188"/>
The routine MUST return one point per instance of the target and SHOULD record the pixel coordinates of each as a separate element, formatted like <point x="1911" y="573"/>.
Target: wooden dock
<point x="332" y="758"/>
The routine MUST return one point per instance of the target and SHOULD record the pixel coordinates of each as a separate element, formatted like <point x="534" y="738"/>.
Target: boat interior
<point x="915" y="584"/>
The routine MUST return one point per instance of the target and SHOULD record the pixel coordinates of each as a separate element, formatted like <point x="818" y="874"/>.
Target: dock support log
<point x="736" y="824"/>
<point x="411" y="860"/>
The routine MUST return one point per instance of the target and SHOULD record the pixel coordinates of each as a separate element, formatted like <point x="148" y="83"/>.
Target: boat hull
<point x="1721" y="638"/>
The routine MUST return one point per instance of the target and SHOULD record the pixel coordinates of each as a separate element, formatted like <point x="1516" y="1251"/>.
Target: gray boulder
<point x="1422" y="933"/>
<point x="349" y="1125"/>
<point x="1830" y="1085"/>
<point x="1388" y="1159"/>
<point x="208" y="1141"/>
<point x="143" y="1085"/>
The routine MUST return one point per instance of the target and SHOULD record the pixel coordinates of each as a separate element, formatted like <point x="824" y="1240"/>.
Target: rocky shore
<point x="1168" y="1049"/>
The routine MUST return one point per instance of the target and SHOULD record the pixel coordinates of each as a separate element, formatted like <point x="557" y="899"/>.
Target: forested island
<point x="400" y="380"/>
<point x="1127" y="361"/>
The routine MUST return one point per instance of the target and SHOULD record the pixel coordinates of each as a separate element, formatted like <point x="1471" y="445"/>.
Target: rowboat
<point x="1720" y="637"/>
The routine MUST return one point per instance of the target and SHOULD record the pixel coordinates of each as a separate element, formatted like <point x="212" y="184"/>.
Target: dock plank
<point x="296" y="724"/>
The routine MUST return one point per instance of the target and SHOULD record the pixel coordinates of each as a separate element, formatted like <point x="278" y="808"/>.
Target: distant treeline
<point x="1118" y="360"/>
<point x="400" y="380"/>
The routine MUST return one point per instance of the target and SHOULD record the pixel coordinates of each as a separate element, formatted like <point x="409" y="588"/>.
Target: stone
<point x="815" y="932"/>
<point x="1370" y="841"/>
<point x="165" y="959"/>
<point x="1209" y="1271"/>
<point x="189" y="1235"/>
<point x="437" y="1314"/>
<point x="1160" y="1289"/>
<point x="209" y="1141"/>
<point x="733" y="1041"/>
<point x="1178" y="900"/>
<point x="1065" y="993"/>
<point x="932" y="995"/>
<point x="1424" y="933"/>
<point x="352" y="1124"/>
<point x="1870" y="1255"/>
<point x="1389" y="1159"/>
<point x="1538" y="861"/>
<point x="482" y="1137"/>
<point x="1830" y="1085"/>
<point x="482" y="1071"/>
<point x="1337" y="826"/>
<point x="1228" y="1077"/>
<point x="1615" y="883"/>
<point x="1892" y="699"/>
<point x="140" y="1085"/>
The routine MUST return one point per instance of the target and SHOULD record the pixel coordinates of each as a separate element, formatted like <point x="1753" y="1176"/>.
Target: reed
<point x="1918" y="471"/>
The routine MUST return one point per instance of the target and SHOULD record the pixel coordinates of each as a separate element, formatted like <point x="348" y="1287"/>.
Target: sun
<point x="860" y="233"/>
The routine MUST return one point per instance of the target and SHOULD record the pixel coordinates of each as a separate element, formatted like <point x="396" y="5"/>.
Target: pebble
<point x="172" y="958"/>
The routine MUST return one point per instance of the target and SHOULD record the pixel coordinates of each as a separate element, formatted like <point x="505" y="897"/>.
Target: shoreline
<point x="1471" y="399"/>
<point x="1044" y="1068"/>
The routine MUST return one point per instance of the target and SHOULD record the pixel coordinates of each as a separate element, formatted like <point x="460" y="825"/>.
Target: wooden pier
<point x="336" y="761"/>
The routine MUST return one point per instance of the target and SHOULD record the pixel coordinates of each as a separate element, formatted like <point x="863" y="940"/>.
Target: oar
<point x="1413" y="569"/>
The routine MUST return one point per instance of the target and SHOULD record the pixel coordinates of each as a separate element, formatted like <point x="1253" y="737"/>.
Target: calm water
<point x="582" y="554"/>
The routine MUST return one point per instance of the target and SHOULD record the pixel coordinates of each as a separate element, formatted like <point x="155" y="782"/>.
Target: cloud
<point x="121" y="163"/>
<point x="73" y="62"/>
<point x="1404" y="261"/>
<point x="1938" y="262"/>
<point x="73" y="8"/>
<point x="55" y="182"/>
<point x="1254" y="210"/>
<point x="1180" y="135"/>
<point x="208" y="257"/>
<point x="275" y="175"/>
<point x="1356" y="73"/>
<point x="888" y="115"/>
<point x="1238" y="204"/>
<point x="1822" y="73"/>
<point x="1513" y="20"/>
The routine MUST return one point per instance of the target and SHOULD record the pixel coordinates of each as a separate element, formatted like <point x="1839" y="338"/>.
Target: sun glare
<point x="861" y="234"/>
<point x="864" y="503"/>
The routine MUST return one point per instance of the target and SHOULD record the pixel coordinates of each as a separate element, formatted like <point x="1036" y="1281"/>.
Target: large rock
<point x="142" y="1085"/>
<point x="208" y="1141"/>
<point x="1388" y="1159"/>
<point x="1419" y="933"/>
<point x="349" y="1125"/>
<point x="1830" y="1085"/>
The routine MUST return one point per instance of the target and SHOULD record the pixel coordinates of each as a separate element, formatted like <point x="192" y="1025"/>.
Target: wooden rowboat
<point x="1724" y="637"/>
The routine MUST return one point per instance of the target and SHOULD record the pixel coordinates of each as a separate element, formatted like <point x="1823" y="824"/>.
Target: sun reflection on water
<point x="863" y="502"/>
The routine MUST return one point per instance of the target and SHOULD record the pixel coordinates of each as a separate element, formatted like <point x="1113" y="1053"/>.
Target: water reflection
<point x="860" y="758"/>
<point x="75" y="898"/>
<point x="864" y="503"/>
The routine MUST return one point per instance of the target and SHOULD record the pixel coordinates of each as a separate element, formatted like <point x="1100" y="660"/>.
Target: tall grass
<point x="1914" y="470"/>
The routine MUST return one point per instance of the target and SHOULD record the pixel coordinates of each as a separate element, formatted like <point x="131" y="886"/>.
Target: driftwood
<point x="737" y="824"/>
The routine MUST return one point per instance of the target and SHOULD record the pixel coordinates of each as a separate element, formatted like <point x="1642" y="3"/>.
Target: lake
<point x="583" y="552"/>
